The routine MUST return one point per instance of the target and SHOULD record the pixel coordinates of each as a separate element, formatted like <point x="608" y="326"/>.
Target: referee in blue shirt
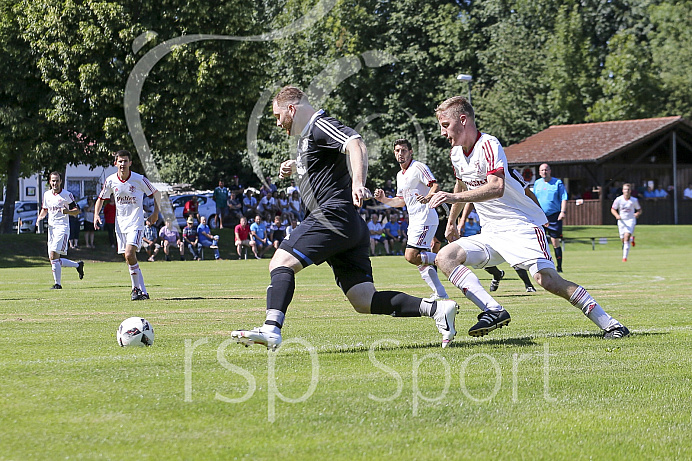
<point x="552" y="196"/>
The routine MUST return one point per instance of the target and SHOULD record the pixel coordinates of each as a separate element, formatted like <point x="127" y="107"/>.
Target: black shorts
<point x="554" y="228"/>
<point x="338" y="236"/>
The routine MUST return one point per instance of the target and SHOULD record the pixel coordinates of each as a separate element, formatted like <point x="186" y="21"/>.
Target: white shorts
<point x="58" y="239"/>
<point x="421" y="235"/>
<point x="626" y="226"/>
<point x="524" y="246"/>
<point x="133" y="238"/>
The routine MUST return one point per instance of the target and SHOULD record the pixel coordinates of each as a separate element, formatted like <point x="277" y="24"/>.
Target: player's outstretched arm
<point x="396" y="202"/>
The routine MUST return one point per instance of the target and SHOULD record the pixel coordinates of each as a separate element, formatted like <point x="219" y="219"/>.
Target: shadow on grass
<point x="516" y="342"/>
<point x="197" y="298"/>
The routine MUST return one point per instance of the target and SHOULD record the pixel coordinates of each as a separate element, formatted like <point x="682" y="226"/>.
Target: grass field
<point x="345" y="386"/>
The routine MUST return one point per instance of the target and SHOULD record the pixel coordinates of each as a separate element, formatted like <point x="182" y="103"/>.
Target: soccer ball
<point x="135" y="331"/>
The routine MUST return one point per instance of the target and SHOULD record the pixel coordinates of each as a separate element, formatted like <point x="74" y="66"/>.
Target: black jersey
<point x="322" y="166"/>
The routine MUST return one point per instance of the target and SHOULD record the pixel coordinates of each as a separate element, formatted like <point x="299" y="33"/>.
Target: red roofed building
<point x="595" y="159"/>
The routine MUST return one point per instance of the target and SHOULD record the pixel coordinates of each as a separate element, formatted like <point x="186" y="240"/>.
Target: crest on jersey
<point x="132" y="188"/>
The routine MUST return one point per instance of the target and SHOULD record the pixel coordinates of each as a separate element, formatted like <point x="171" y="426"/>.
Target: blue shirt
<point x="203" y="239"/>
<point x="472" y="229"/>
<point x="550" y="194"/>
<point x="259" y="229"/>
<point x="393" y="228"/>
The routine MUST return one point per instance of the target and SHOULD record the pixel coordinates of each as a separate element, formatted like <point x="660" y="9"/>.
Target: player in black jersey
<point x="332" y="231"/>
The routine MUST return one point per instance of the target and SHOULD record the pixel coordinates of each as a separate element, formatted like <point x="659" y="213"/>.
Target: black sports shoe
<point x="57" y="286"/>
<point x="530" y="289"/>
<point x="496" y="282"/>
<point x="488" y="321"/>
<point x="136" y="293"/>
<point x="616" y="333"/>
<point x="80" y="269"/>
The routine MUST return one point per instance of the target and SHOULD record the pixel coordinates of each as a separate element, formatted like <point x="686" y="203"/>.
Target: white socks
<point x="136" y="277"/>
<point x="429" y="274"/>
<point x="625" y="249"/>
<point x="427" y="258"/>
<point x="68" y="263"/>
<point x="584" y="301"/>
<point x="463" y="278"/>
<point x="56" y="267"/>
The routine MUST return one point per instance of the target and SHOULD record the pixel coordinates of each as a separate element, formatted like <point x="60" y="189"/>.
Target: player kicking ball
<point x="333" y="232"/>
<point x="512" y="225"/>
<point x="128" y="189"/>
<point x="59" y="204"/>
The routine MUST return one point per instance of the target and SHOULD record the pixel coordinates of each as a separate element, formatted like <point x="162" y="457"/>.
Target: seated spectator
<point x="292" y="188"/>
<point x="269" y="187"/>
<point x="170" y="237"/>
<point x="268" y="204"/>
<point x="242" y="238"/>
<point x="149" y="241"/>
<point x="471" y="227"/>
<point x="191" y="239"/>
<point x="388" y="188"/>
<point x="687" y="193"/>
<point x="376" y="230"/>
<point x="392" y="233"/>
<point x="249" y="204"/>
<point x="277" y="232"/>
<point x="660" y="192"/>
<point x="649" y="193"/>
<point x="296" y="206"/>
<point x="291" y="228"/>
<point x="191" y="208"/>
<point x="206" y="239"/>
<point x="258" y="230"/>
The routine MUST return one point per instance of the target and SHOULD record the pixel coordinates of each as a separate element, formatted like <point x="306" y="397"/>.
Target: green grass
<point x="545" y="387"/>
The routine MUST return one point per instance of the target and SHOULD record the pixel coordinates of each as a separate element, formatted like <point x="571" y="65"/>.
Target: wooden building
<point x="595" y="159"/>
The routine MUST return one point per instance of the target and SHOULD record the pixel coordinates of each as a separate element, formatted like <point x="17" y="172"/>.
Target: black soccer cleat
<point x="136" y="293"/>
<point x="530" y="289"/>
<point x="495" y="283"/>
<point x="489" y="321"/>
<point x="616" y="333"/>
<point x="57" y="286"/>
<point x="80" y="269"/>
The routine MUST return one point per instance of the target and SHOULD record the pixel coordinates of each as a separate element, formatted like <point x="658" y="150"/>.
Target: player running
<point x="333" y="232"/>
<point x="128" y="188"/>
<point x="58" y="204"/>
<point x="415" y="184"/>
<point x="626" y="210"/>
<point x="512" y="225"/>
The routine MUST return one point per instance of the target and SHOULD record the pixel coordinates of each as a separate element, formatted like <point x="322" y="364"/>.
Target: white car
<point x="28" y="212"/>
<point x="205" y="206"/>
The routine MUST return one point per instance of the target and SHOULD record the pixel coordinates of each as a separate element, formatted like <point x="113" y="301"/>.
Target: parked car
<point x="206" y="208"/>
<point x="28" y="212"/>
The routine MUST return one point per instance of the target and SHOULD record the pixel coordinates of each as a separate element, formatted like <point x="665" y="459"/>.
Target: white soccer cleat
<point x="257" y="336"/>
<point x="436" y="297"/>
<point x="444" y="319"/>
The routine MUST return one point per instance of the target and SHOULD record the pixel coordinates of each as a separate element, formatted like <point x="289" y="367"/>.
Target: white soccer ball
<point x="135" y="331"/>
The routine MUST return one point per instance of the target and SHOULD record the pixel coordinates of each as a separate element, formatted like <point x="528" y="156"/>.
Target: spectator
<point x="235" y="205"/>
<point x="660" y="192"/>
<point x="269" y="187"/>
<point x="376" y="229"/>
<point x="249" y="204"/>
<point x="220" y="197"/>
<point x="171" y="237"/>
<point x="109" y="218"/>
<point x="291" y="228"/>
<point x="236" y="187"/>
<point x="242" y="238"/>
<point x="552" y="197"/>
<point x="191" y="208"/>
<point x="74" y="230"/>
<point x="206" y="239"/>
<point x="277" y="232"/>
<point x="191" y="239"/>
<point x="471" y="227"/>
<point x="149" y="241"/>
<point x="393" y="234"/>
<point x="649" y="193"/>
<point x="284" y="206"/>
<point x="296" y="206"/>
<point x="292" y="188"/>
<point x="687" y="193"/>
<point x="258" y="230"/>
<point x="267" y="204"/>
<point x="388" y="189"/>
<point x="89" y="223"/>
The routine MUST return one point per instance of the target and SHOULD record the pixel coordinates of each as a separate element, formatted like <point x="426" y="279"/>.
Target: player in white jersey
<point x="128" y="189"/>
<point x="59" y="204"/>
<point x="626" y="210"/>
<point x="512" y="225"/>
<point x="415" y="184"/>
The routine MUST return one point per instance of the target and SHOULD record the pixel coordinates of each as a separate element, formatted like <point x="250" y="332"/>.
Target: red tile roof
<point x="586" y="142"/>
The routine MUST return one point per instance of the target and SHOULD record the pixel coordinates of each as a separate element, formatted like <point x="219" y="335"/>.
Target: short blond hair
<point x="290" y="95"/>
<point x="456" y="106"/>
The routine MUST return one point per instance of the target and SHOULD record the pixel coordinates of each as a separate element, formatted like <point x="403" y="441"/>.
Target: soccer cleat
<point x="57" y="286"/>
<point x="624" y="260"/>
<point x="138" y="295"/>
<point x="495" y="284"/>
<point x="436" y="297"/>
<point x="489" y="321"/>
<point x="617" y="332"/>
<point x="444" y="319"/>
<point x="530" y="290"/>
<point x="632" y="240"/>
<point x="80" y="269"/>
<point x="257" y="336"/>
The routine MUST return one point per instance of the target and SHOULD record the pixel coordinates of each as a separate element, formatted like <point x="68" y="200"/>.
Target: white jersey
<point x="626" y="208"/>
<point x="416" y="180"/>
<point x="129" y="195"/>
<point x="55" y="204"/>
<point x="488" y="157"/>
